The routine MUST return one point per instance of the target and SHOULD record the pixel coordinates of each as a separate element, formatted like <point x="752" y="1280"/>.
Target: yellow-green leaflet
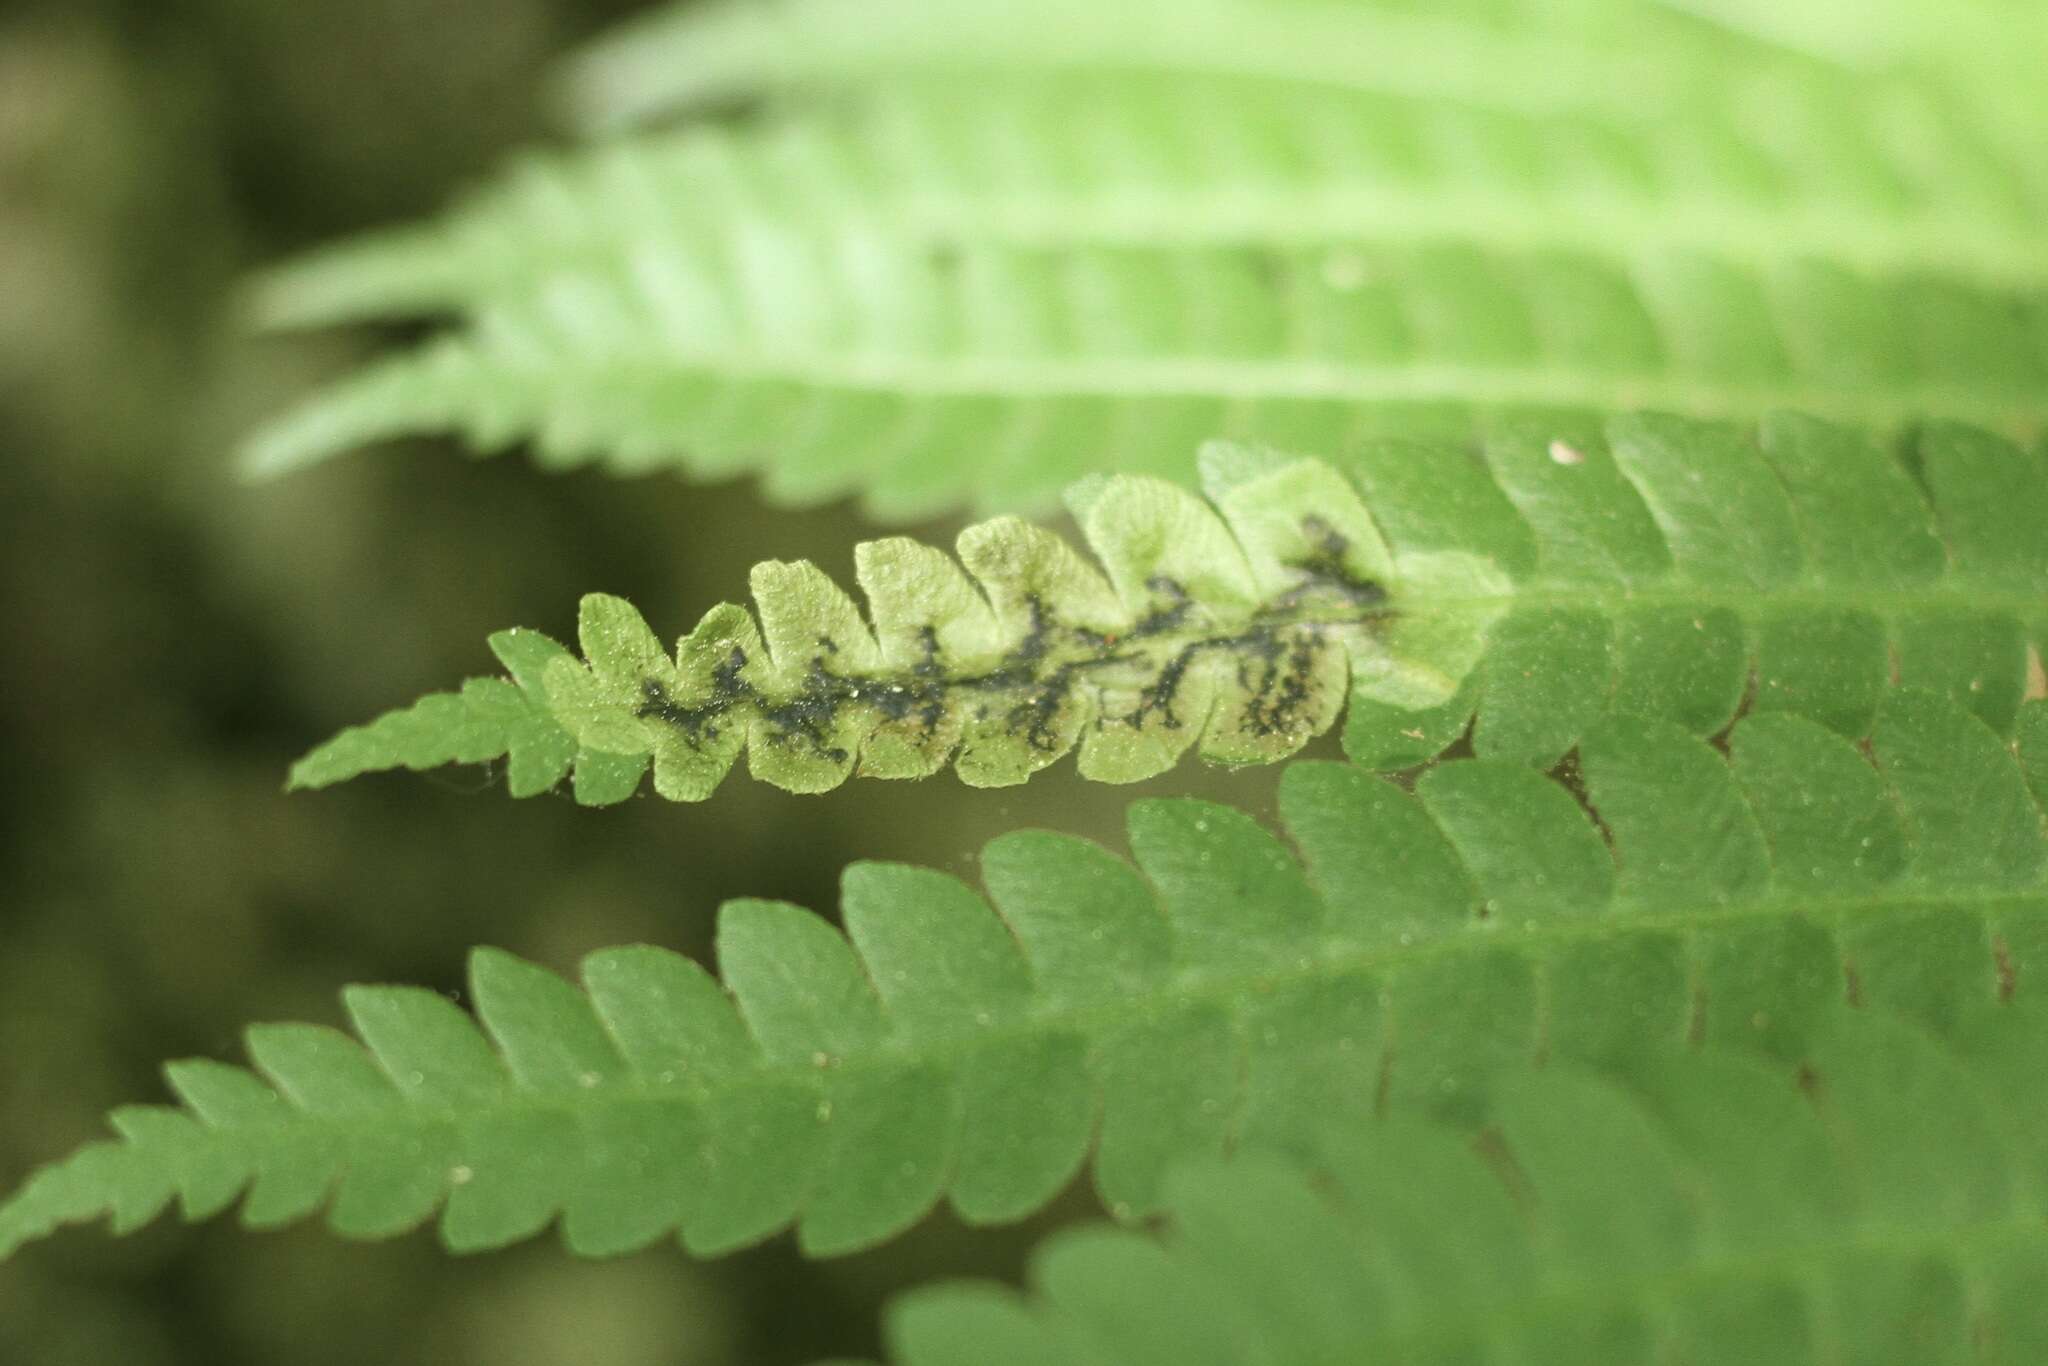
<point x="1238" y="629"/>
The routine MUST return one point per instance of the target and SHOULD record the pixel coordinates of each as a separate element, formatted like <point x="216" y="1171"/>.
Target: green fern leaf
<point x="1138" y="161"/>
<point x="696" y="55"/>
<point x="1881" y="1204"/>
<point x="1615" y="56"/>
<point x="1232" y="995"/>
<point x="1152" y="162"/>
<point x="1685" y="572"/>
<point x="940" y="295"/>
<point x="1657" y="568"/>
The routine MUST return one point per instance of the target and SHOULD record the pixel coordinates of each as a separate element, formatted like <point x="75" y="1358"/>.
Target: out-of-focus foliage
<point x="966" y="261"/>
<point x="691" y="53"/>
<point x="1882" y="1211"/>
<point x="173" y="640"/>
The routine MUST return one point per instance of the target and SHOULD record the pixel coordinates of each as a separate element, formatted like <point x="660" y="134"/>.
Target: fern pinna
<point x="973" y="291"/>
<point x="1651" y="567"/>
<point x="1223" y="994"/>
<point x="1881" y="1202"/>
<point x="682" y="58"/>
<point x="1616" y="55"/>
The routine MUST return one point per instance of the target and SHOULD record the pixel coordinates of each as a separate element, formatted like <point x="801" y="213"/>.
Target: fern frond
<point x="1240" y="640"/>
<point x="1622" y="57"/>
<point x="1661" y="569"/>
<point x="1882" y="1203"/>
<point x="1767" y="65"/>
<point x="1238" y="635"/>
<point x="1230" y="996"/>
<point x="1141" y="161"/>
<point x="858" y="296"/>
<point x="940" y="299"/>
<point x="1872" y="98"/>
<point x="696" y="55"/>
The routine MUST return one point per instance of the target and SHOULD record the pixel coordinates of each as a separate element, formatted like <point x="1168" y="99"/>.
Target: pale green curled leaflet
<point x="1238" y="628"/>
<point x="1881" y="1203"/>
<point x="1649" y="567"/>
<point x="1228" y="992"/>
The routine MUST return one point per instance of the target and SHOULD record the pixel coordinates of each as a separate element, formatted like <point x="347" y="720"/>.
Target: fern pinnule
<point x="1234" y="994"/>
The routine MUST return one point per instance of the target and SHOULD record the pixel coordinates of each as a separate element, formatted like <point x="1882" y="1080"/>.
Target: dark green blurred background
<point x="173" y="640"/>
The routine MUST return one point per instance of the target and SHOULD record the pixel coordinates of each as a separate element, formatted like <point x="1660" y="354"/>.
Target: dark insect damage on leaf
<point x="1275" y="658"/>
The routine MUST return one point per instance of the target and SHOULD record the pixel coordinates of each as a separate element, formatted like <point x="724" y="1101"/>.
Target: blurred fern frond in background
<point x="928" y="283"/>
<point x="1780" y="1215"/>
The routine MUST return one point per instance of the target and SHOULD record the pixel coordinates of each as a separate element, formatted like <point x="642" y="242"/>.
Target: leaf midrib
<point x="1868" y="399"/>
<point x="1645" y="231"/>
<point x="1747" y="603"/>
